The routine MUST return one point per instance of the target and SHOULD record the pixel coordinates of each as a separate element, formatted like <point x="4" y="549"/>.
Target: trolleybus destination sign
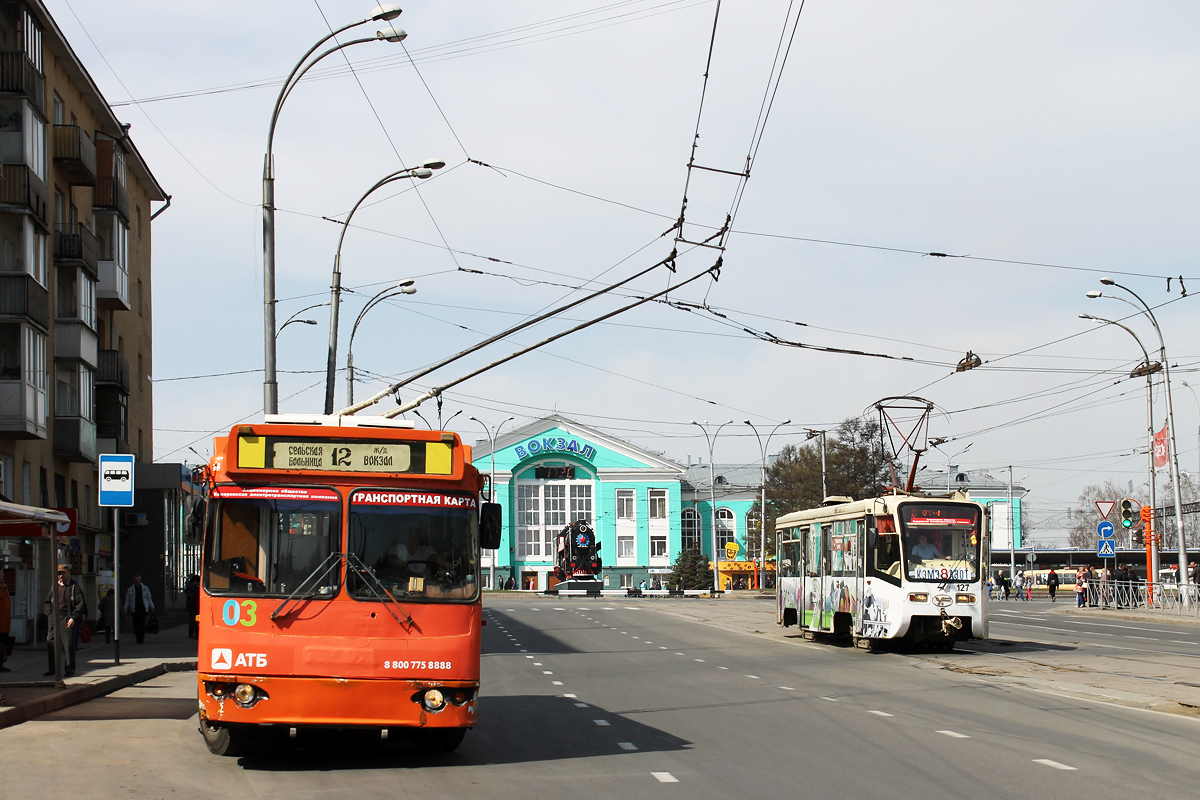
<point x="351" y="455"/>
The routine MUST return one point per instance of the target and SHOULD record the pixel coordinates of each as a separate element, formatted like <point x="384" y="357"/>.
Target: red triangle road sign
<point x="1105" y="507"/>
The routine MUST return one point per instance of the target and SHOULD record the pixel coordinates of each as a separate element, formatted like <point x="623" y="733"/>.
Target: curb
<point x="1128" y="615"/>
<point x="23" y="712"/>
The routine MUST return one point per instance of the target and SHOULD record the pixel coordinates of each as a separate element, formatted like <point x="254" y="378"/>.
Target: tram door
<point x="810" y="577"/>
<point x="860" y="581"/>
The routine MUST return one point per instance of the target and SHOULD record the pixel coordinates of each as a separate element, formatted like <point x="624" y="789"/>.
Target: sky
<point x="1039" y="145"/>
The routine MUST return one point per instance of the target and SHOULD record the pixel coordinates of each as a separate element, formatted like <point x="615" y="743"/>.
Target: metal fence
<point x="1167" y="597"/>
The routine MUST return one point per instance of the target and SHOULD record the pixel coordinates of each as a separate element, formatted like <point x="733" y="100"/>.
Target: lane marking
<point x="556" y="683"/>
<point x="547" y="672"/>
<point x="665" y="777"/>
<point x="568" y="695"/>
<point x="722" y="667"/>
<point x="700" y="660"/>
<point x="880" y="713"/>
<point x="581" y="705"/>
<point x="603" y="723"/>
<point x="679" y="654"/>
<point x="607" y="608"/>
<point x="953" y="734"/>
<point x="536" y="665"/>
<point x="560" y="609"/>
<point x="788" y="688"/>
<point x="1126" y="627"/>
<point x="1147" y="638"/>
<point x="1039" y="627"/>
<point x="525" y="651"/>
<point x="754" y="677"/>
<point x="1174" y="641"/>
<point x="831" y="699"/>
<point x="1054" y="764"/>
<point x="627" y="745"/>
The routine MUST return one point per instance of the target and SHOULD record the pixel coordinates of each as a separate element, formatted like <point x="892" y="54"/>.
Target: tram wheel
<point x="440" y="740"/>
<point x="226" y="740"/>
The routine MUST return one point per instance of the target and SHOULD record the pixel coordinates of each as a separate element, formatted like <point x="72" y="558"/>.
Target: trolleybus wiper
<point x="376" y="586"/>
<point x="295" y="595"/>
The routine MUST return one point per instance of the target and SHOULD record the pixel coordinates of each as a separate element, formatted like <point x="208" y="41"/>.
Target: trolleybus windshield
<point x="941" y="541"/>
<point x="269" y="539"/>
<point x="421" y="545"/>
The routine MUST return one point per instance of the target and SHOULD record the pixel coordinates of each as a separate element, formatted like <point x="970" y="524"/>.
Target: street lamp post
<point x="403" y="287"/>
<point x="383" y="13"/>
<point x="762" y="508"/>
<point x="812" y="434"/>
<point x="492" y="433"/>
<point x="1148" y="369"/>
<point x="293" y="318"/>
<point x="1197" y="401"/>
<point x="335" y="287"/>
<point x="949" y="462"/>
<point x="1173" y="457"/>
<point x="712" y="492"/>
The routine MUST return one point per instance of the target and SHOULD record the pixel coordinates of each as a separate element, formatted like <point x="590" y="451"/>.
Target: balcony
<point x="23" y="410"/>
<point x="112" y="419"/>
<point x="75" y="341"/>
<point x="76" y="246"/>
<point x="112" y="292"/>
<point x="23" y="297"/>
<point x="113" y="370"/>
<point x="110" y="197"/>
<point x="19" y="75"/>
<point x="20" y="187"/>
<point x="74" y="155"/>
<point x="75" y="439"/>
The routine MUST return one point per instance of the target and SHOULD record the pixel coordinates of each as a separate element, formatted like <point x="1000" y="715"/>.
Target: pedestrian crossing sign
<point x="1106" y="548"/>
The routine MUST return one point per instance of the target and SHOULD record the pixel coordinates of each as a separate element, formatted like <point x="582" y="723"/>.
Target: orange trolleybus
<point x="341" y="581"/>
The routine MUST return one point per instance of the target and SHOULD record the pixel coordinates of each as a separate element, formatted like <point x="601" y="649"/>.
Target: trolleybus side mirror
<point x="489" y="526"/>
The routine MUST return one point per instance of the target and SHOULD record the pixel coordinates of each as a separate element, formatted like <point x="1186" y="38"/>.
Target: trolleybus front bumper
<point x="337" y="702"/>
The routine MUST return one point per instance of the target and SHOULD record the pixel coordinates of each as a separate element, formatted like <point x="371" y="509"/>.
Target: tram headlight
<point x="433" y="700"/>
<point x="964" y="598"/>
<point x="918" y="597"/>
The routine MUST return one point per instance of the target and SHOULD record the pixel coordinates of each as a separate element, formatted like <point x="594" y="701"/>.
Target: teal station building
<point x="645" y="507"/>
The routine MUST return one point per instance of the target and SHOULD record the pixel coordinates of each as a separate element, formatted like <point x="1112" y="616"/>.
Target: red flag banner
<point x="1162" y="449"/>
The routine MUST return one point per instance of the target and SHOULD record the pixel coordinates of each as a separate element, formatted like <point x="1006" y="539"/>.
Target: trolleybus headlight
<point x="964" y="598"/>
<point x="246" y="695"/>
<point x="918" y="597"/>
<point x="434" y="700"/>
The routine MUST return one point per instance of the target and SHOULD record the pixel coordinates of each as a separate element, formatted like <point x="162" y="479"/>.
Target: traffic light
<point x="1127" y="514"/>
<point x="1139" y="539"/>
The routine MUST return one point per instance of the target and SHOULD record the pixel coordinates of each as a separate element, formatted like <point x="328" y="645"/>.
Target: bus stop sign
<point x="116" y="480"/>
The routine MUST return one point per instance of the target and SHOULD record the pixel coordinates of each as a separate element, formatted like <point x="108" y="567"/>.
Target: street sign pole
<point x="116" y="492"/>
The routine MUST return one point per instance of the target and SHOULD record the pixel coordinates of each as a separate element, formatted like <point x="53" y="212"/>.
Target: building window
<point x="726" y="529"/>
<point x="528" y="521"/>
<point x="141" y="373"/>
<point x="27" y="483"/>
<point x="555" y="516"/>
<point x="72" y="390"/>
<point x="36" y="377"/>
<point x="626" y="547"/>
<point x="37" y="146"/>
<point x="658" y="546"/>
<point x="10" y="352"/>
<point x="658" y="504"/>
<point x="141" y="306"/>
<point x="138" y="217"/>
<point x="581" y="502"/>
<point x="626" y="580"/>
<point x="689" y="528"/>
<point x="625" y="504"/>
<point x="58" y="110"/>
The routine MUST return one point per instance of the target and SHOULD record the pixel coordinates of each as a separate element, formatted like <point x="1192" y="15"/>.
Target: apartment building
<point x="75" y="291"/>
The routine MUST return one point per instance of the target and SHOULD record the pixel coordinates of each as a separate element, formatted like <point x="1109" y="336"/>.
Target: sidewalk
<point x="27" y="693"/>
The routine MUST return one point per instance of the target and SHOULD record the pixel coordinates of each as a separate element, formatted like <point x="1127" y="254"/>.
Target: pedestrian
<point x="191" y="595"/>
<point x="642" y="586"/>
<point x="1005" y="585"/>
<point x="1081" y="588"/>
<point x="139" y="605"/>
<point x="1052" y="584"/>
<point x="72" y="610"/>
<point x="5" y="623"/>
<point x="107" y="614"/>
<point x="1019" y="584"/>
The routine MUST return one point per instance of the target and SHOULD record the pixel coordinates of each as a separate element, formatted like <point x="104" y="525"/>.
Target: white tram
<point x="896" y="567"/>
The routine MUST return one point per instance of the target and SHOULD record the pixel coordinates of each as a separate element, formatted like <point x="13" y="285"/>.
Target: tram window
<point x="887" y="554"/>
<point x="788" y="560"/>
<point x="812" y="564"/>
<point x="264" y="545"/>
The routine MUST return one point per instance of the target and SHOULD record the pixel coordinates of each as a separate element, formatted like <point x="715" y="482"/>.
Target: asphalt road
<point x="1042" y="620"/>
<point x="598" y="697"/>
